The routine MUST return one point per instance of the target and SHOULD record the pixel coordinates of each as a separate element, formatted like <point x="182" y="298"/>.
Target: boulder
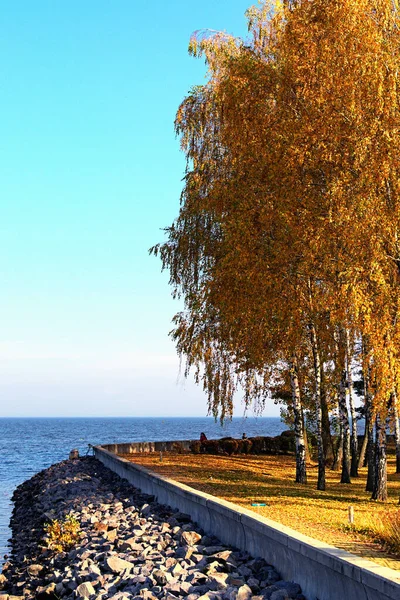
<point x="279" y="595"/>
<point x="34" y="570"/>
<point x="244" y="593"/>
<point x="292" y="589"/>
<point x="118" y="565"/>
<point x="84" y="590"/>
<point x="190" y="538"/>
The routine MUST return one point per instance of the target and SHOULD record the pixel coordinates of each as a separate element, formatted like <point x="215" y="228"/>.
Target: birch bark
<point x="380" y="483"/>
<point x="318" y="408"/>
<point x="354" y="439"/>
<point x="344" y="419"/>
<point x="301" y="470"/>
<point x="396" y="429"/>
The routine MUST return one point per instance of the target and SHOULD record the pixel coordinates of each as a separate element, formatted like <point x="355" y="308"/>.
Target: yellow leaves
<point x="62" y="535"/>
<point x="292" y="149"/>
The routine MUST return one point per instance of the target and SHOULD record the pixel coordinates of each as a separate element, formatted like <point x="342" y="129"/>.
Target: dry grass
<point x="269" y="479"/>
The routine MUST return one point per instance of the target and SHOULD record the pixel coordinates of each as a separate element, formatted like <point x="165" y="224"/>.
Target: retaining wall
<point x="136" y="447"/>
<point x="323" y="571"/>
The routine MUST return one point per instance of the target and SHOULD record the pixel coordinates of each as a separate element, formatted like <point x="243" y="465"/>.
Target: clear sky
<point x="90" y="173"/>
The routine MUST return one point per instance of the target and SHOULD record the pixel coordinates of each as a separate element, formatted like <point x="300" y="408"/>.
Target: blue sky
<point x="90" y="172"/>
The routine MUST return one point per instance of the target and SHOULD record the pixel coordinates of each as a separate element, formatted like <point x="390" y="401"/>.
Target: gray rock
<point x="244" y="593"/>
<point x="226" y="556"/>
<point x="213" y="549"/>
<point x="254" y="584"/>
<point x="184" y="552"/>
<point x="190" y="538"/>
<point x="84" y="590"/>
<point x="118" y="565"/>
<point x="245" y="571"/>
<point x="279" y="595"/>
<point x="148" y="595"/>
<point x="267" y="592"/>
<point x="182" y="517"/>
<point x="290" y="587"/>
<point x="34" y="570"/>
<point x="60" y="589"/>
<point x="236" y="581"/>
<point x="160" y="576"/>
<point x="218" y="581"/>
<point x="47" y="592"/>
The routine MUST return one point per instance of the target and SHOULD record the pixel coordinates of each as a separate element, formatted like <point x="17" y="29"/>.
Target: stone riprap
<point x="130" y="547"/>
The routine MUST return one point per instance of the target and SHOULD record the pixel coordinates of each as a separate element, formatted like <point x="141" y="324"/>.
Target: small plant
<point x="62" y="535"/>
<point x="388" y="531"/>
<point x="383" y="528"/>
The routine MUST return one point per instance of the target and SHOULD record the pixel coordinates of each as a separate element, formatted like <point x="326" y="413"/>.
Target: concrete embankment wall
<point x="324" y="572"/>
<point x="137" y="447"/>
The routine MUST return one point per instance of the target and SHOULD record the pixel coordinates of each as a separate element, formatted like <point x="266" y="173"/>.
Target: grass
<point x="320" y="515"/>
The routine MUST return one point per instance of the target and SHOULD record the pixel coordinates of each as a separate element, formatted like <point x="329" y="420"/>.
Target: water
<point x="29" y="445"/>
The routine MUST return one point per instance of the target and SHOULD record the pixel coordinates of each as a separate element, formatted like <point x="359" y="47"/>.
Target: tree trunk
<point x="370" y="445"/>
<point x="362" y="461"/>
<point x="305" y="435"/>
<point x="344" y="420"/>
<point x="396" y="430"/>
<point x="363" y="449"/>
<point x="354" y="439"/>
<point x="318" y="408"/>
<point x="369" y="426"/>
<point x="338" y="450"/>
<point x="380" y="483"/>
<point x="326" y="424"/>
<point x="301" y="470"/>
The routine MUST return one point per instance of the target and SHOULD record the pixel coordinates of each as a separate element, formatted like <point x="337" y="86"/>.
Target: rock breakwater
<point x="127" y="546"/>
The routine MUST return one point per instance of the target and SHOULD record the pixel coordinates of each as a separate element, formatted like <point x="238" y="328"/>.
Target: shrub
<point x="272" y="445"/>
<point x="178" y="448"/>
<point x="287" y="442"/>
<point x="210" y="446"/>
<point x="257" y="445"/>
<point x="61" y="536"/>
<point x="229" y="445"/>
<point x="195" y="447"/>
<point x="245" y="446"/>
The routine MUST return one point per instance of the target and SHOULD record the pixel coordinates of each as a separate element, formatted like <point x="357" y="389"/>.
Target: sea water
<point x="29" y="445"/>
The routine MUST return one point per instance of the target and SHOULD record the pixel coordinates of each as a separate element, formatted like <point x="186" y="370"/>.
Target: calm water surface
<point x="30" y="445"/>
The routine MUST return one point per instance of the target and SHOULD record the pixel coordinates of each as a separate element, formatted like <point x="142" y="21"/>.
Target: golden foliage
<point x="62" y="535"/>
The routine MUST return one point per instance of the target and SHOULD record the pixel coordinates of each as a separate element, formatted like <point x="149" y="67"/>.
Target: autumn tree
<point x="291" y="150"/>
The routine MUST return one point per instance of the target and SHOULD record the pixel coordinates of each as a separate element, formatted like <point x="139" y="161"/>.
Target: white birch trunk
<point x="354" y="438"/>
<point x="301" y="469"/>
<point x="318" y="407"/>
<point x="344" y="420"/>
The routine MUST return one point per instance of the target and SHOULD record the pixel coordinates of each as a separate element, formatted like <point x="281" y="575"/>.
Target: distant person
<point x="244" y="437"/>
<point x="203" y="437"/>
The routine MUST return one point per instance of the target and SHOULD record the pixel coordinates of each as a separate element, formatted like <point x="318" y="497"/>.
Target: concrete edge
<point x="382" y="580"/>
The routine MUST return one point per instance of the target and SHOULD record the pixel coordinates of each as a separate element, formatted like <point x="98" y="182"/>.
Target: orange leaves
<point x="292" y="150"/>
